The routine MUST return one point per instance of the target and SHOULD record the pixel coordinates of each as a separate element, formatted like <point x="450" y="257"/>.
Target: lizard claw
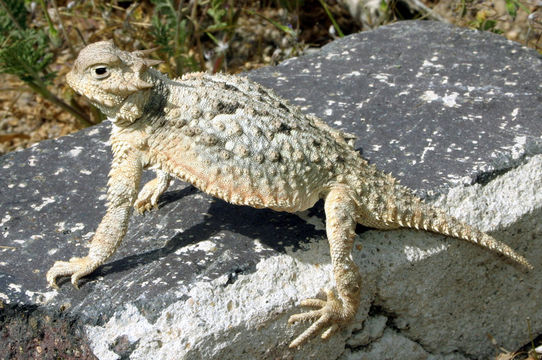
<point x="142" y="206"/>
<point x="76" y="268"/>
<point x="328" y="317"/>
<point x="147" y="199"/>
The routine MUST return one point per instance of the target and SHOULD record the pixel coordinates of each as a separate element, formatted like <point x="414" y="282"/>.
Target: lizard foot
<point x="146" y="204"/>
<point x="147" y="199"/>
<point x="76" y="268"/>
<point x="332" y="312"/>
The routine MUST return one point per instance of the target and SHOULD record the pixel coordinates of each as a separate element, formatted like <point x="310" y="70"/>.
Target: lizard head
<point x="115" y="81"/>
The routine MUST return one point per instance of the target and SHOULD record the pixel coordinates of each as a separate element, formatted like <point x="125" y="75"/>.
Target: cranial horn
<point x="142" y="53"/>
<point x="152" y="62"/>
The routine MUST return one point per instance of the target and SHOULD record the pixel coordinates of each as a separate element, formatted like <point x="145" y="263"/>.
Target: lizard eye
<point x="100" y="72"/>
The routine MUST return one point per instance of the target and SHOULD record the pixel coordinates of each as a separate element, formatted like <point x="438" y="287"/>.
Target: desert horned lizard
<point x="240" y="142"/>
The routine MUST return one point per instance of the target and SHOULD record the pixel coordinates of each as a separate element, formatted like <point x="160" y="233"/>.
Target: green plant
<point x="12" y="16"/>
<point x="25" y="53"/>
<point x="178" y="28"/>
<point x="328" y="13"/>
<point x="170" y="30"/>
<point x="512" y="7"/>
<point x="485" y="17"/>
<point x="53" y="33"/>
<point x="286" y="29"/>
<point x="224" y="16"/>
<point x="485" y="24"/>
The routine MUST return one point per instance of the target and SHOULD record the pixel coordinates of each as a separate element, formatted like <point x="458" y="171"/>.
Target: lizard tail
<point x="418" y="215"/>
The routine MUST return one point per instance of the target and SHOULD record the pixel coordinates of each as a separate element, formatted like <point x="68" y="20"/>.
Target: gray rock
<point x="454" y="113"/>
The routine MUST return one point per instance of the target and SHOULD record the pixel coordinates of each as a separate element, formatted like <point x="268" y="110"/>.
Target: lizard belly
<point x="244" y="184"/>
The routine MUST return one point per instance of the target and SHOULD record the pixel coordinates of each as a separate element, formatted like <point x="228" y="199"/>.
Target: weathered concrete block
<point x="454" y="113"/>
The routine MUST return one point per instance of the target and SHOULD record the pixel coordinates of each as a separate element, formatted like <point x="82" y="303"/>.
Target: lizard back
<point x="238" y="141"/>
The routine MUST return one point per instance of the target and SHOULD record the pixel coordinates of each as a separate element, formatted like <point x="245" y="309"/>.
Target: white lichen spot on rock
<point x="427" y="63"/>
<point x="41" y="297"/>
<point x="218" y="237"/>
<point x="46" y="201"/>
<point x="5" y="219"/>
<point x="515" y="113"/>
<point x="15" y="287"/>
<point x="88" y="235"/>
<point x="448" y="100"/>
<point x="205" y="246"/>
<point x="59" y="171"/>
<point x="4" y="298"/>
<point x="429" y="96"/>
<point x="350" y="74"/>
<point x="61" y="226"/>
<point x="32" y="160"/>
<point x="75" y="151"/>
<point x="384" y="78"/>
<point x="258" y="246"/>
<point x="93" y="132"/>
<point x="427" y="149"/>
<point x="78" y="226"/>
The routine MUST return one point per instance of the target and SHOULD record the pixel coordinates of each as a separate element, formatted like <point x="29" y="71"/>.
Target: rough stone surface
<point x="439" y="107"/>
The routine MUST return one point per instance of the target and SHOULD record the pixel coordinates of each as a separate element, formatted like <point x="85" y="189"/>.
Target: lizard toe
<point x="76" y="268"/>
<point x="329" y="316"/>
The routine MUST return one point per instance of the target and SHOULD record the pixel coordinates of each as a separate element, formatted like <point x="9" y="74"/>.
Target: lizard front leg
<point x="122" y="189"/>
<point x="340" y="212"/>
<point x="149" y="194"/>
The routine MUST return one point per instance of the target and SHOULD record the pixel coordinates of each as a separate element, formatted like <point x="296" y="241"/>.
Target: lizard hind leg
<point x="335" y="311"/>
